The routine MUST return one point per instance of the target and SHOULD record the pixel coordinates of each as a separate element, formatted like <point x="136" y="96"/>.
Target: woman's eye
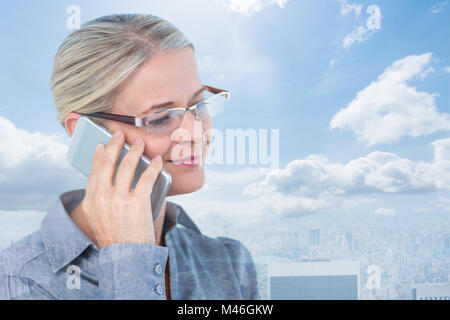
<point x="160" y="121"/>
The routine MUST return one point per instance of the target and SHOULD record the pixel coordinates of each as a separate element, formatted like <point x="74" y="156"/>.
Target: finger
<point x="95" y="167"/>
<point x="110" y="158"/>
<point x="146" y="181"/>
<point x="127" y="167"/>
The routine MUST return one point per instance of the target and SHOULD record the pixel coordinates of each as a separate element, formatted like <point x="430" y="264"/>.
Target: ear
<point x="71" y="122"/>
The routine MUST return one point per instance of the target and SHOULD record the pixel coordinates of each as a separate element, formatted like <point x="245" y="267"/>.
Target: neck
<point x="82" y="223"/>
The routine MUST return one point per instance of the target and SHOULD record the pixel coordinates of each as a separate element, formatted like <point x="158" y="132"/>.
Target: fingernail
<point x="117" y="134"/>
<point x="98" y="148"/>
<point x="138" y="141"/>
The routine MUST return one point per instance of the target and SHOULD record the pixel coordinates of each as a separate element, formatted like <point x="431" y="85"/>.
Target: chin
<point x="186" y="182"/>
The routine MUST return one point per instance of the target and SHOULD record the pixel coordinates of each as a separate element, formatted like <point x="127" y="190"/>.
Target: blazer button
<point x="158" y="289"/>
<point x="157" y="268"/>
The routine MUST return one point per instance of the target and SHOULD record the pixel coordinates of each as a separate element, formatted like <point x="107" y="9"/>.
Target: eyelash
<point x="159" y="121"/>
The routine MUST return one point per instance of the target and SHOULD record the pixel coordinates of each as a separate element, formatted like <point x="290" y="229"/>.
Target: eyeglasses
<point x="170" y="119"/>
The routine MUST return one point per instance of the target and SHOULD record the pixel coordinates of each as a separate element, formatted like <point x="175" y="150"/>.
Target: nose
<point x="191" y="129"/>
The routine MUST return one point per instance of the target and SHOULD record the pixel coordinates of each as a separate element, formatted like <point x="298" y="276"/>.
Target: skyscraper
<point x="447" y="246"/>
<point x="314" y="236"/>
<point x="314" y="280"/>
<point x="348" y="240"/>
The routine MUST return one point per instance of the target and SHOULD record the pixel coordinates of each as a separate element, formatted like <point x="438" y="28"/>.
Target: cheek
<point x="207" y="131"/>
<point x="207" y="124"/>
<point x="156" y="146"/>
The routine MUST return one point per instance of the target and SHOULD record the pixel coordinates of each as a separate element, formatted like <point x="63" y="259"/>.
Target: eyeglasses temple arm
<point x="116" y="117"/>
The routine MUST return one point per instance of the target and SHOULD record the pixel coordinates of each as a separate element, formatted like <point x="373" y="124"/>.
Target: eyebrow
<point x="169" y="103"/>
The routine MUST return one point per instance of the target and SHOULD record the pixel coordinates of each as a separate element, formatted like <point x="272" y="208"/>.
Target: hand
<point x="116" y="213"/>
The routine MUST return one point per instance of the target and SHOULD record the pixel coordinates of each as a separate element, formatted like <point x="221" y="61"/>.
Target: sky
<point x="358" y="92"/>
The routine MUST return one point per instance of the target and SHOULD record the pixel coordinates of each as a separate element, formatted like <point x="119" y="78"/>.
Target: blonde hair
<point x="95" y="60"/>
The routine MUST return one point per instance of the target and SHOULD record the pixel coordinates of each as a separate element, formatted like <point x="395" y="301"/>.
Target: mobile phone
<point x="88" y="135"/>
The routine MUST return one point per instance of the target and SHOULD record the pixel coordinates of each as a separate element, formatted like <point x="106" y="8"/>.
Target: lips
<point x="192" y="160"/>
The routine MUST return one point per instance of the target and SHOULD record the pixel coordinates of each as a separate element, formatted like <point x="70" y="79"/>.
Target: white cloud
<point x="447" y="69"/>
<point x="379" y="172"/>
<point x="362" y="33"/>
<point x="220" y="208"/>
<point x="347" y="8"/>
<point x="438" y="8"/>
<point x="389" y="109"/>
<point x="385" y="211"/>
<point x="359" y="34"/>
<point x="17" y="224"/>
<point x="443" y="203"/>
<point x="249" y="7"/>
<point x="439" y="204"/>
<point x="33" y="168"/>
<point x="438" y="171"/>
<point x="233" y="201"/>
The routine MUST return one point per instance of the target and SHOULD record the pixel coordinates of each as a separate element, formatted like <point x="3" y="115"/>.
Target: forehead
<point x="169" y="76"/>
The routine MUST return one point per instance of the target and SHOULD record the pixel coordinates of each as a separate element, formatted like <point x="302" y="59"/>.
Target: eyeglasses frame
<point x="141" y="122"/>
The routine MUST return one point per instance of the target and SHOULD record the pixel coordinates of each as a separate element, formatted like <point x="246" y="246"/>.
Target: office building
<point x="314" y="236"/>
<point x="431" y="291"/>
<point x="313" y="280"/>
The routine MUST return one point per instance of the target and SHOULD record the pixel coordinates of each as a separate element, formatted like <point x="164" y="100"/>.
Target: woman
<point x="101" y="242"/>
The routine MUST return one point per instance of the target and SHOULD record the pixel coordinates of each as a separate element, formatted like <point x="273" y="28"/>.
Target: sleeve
<point x="133" y="271"/>
<point x="244" y="267"/>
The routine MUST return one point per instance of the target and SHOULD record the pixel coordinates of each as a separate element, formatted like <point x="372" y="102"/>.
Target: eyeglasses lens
<point x="166" y="121"/>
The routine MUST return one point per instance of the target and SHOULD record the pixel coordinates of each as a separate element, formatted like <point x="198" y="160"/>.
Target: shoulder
<point x="239" y="256"/>
<point x="222" y="254"/>
<point x="187" y="236"/>
<point x="234" y="249"/>
<point x="244" y="266"/>
<point x="186" y="233"/>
